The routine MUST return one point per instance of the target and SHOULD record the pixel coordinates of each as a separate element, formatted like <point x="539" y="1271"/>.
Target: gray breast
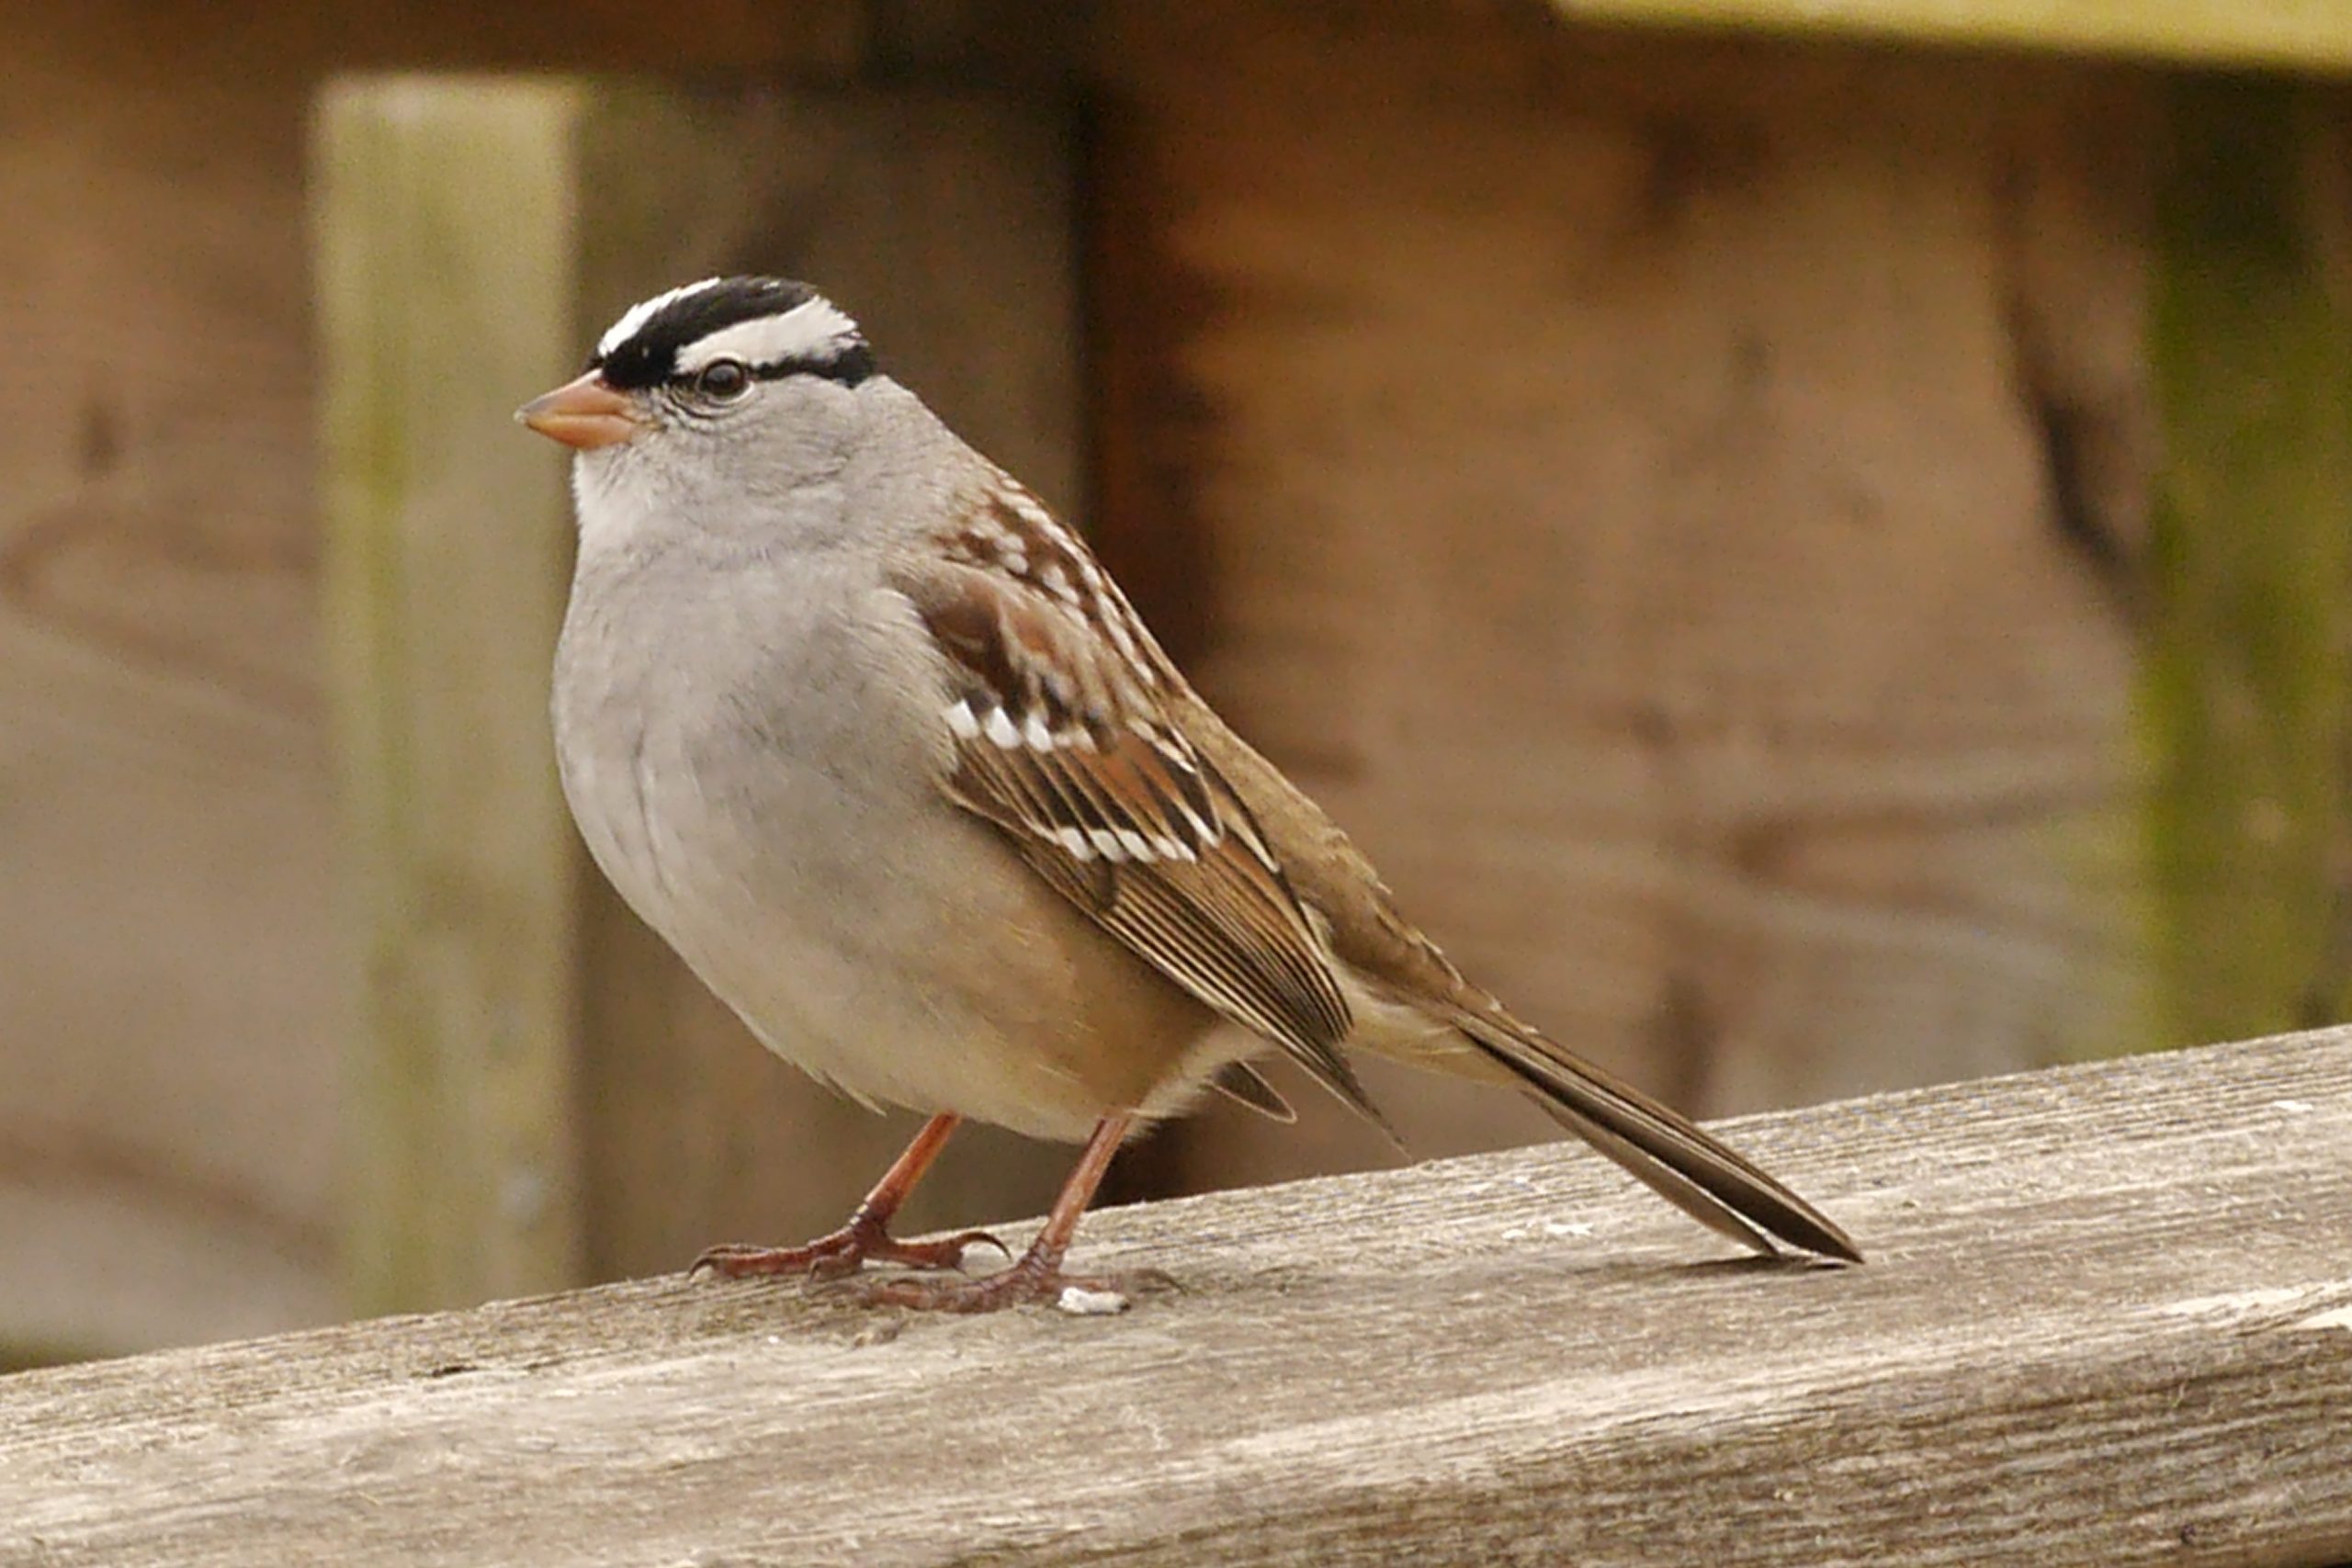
<point x="744" y="747"/>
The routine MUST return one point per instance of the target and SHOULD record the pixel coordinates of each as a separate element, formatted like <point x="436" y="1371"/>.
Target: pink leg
<point x="1037" y="1277"/>
<point x="866" y="1238"/>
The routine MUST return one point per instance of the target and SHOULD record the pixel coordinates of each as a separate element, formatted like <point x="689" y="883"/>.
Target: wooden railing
<point x="2107" y="1318"/>
<point x="2279" y="34"/>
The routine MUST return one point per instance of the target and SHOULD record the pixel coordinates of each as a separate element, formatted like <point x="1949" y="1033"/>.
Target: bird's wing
<point x="1058" y="707"/>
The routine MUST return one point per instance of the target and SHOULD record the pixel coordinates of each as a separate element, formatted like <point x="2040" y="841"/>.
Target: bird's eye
<point x="723" y="381"/>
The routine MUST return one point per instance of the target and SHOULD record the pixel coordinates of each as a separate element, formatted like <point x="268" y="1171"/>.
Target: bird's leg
<point x="866" y="1238"/>
<point x="1036" y="1275"/>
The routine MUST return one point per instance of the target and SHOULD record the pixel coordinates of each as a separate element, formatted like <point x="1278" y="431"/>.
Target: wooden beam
<point x="2248" y="677"/>
<point x="2107" y="1318"/>
<point x="443" y="234"/>
<point x="2291" y="35"/>
<point x="542" y="1094"/>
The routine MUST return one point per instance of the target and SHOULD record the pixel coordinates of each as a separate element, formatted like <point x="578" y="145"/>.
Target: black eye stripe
<point x="849" y="366"/>
<point x="854" y="363"/>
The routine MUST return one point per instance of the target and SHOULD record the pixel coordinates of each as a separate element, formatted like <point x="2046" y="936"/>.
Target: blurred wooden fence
<point x="1813" y="567"/>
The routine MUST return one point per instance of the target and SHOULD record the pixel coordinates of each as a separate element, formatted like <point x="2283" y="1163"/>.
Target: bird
<point x="868" y="734"/>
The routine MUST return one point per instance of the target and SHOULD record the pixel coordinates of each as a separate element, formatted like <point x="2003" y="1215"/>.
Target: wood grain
<point x="1621" y="484"/>
<point x="2107" y="1318"/>
<point x="171" y="978"/>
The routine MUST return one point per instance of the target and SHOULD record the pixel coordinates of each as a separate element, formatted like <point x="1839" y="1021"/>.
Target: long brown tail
<point x="1712" y="1183"/>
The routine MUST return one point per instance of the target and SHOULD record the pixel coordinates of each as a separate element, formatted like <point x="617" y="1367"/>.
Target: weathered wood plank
<point x="2296" y="35"/>
<point x="2107" y="1318"/>
<point x="171" y="982"/>
<point x="1720" y="653"/>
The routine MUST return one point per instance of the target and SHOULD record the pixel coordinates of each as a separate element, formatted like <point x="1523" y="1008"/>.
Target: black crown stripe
<point x="649" y="356"/>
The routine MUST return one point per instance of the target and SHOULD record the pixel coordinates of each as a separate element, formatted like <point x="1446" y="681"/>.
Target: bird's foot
<point x="843" y="1253"/>
<point x="1033" y="1281"/>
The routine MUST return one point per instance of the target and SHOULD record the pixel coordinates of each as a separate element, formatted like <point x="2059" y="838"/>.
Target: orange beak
<point x="582" y="414"/>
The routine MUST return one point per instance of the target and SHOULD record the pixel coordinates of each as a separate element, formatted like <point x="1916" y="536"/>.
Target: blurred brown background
<point x="1812" y="565"/>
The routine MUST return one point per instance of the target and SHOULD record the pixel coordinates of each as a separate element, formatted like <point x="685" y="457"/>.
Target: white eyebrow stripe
<point x="636" y="315"/>
<point x="804" y="334"/>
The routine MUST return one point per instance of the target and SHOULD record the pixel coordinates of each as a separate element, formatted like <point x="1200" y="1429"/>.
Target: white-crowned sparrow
<point x="876" y="745"/>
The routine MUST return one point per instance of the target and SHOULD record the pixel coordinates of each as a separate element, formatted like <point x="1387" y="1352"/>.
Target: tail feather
<point x="1712" y="1183"/>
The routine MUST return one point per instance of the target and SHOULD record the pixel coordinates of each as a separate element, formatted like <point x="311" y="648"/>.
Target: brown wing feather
<point x="1070" y="752"/>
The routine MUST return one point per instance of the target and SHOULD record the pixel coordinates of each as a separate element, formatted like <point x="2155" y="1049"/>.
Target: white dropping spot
<point x="2294" y="1107"/>
<point x="1107" y="843"/>
<point x="1072" y="839"/>
<point x="1558" y="1228"/>
<point x="1080" y="1301"/>
<point x="961" y="720"/>
<point x="1001" y="731"/>
<point x="1135" y="844"/>
<point x="1040" y="738"/>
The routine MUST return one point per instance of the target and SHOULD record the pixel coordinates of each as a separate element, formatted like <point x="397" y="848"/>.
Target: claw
<point x="975" y="1238"/>
<point x="838" y="1256"/>
<point x="741" y="1261"/>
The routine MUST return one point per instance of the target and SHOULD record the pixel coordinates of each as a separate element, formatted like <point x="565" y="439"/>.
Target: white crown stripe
<point x="808" y="334"/>
<point x="636" y="315"/>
